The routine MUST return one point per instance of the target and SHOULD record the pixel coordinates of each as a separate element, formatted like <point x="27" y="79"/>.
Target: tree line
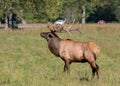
<point x="42" y="11"/>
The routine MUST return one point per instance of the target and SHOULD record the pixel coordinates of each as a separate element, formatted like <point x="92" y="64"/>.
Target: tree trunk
<point x="83" y="14"/>
<point x="6" y="22"/>
<point x="10" y="21"/>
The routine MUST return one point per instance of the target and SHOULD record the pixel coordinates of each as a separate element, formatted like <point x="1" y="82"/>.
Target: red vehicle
<point x="101" y="22"/>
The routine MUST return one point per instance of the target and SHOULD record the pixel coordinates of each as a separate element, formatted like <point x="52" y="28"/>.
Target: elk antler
<point x="51" y="28"/>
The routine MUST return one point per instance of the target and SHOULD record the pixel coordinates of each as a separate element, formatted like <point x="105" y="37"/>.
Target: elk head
<point x="48" y="35"/>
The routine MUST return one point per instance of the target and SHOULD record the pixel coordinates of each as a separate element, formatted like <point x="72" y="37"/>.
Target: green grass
<point x="26" y="61"/>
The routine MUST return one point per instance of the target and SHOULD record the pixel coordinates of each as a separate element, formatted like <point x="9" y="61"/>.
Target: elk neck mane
<point x="54" y="44"/>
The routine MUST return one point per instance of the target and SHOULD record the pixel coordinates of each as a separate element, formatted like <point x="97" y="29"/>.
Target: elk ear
<point x="53" y="32"/>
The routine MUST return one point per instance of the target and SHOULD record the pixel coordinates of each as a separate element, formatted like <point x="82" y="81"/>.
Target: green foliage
<point x="50" y="10"/>
<point x="53" y="9"/>
<point x="117" y="8"/>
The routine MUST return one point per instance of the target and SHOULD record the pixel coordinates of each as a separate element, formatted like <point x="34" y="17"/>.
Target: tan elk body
<point x="73" y="51"/>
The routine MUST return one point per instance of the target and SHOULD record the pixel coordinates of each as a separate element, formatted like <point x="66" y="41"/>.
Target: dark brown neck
<point x="53" y="45"/>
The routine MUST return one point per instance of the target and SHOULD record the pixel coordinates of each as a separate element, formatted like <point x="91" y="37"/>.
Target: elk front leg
<point x="67" y="67"/>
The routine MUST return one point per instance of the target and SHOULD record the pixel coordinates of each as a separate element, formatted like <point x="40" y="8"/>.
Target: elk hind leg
<point x="95" y="69"/>
<point x="90" y="57"/>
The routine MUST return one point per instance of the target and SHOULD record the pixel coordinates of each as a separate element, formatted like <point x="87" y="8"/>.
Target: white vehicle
<point x="59" y="22"/>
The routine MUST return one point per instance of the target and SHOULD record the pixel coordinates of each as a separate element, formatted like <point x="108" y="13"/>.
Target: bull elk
<point x="73" y="51"/>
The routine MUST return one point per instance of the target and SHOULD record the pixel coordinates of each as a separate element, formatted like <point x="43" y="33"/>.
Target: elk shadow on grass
<point x="84" y="78"/>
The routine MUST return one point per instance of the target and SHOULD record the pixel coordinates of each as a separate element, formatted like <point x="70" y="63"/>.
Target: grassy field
<point x="26" y="61"/>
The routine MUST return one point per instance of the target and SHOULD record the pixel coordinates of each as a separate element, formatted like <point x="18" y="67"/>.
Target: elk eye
<point x="50" y="35"/>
